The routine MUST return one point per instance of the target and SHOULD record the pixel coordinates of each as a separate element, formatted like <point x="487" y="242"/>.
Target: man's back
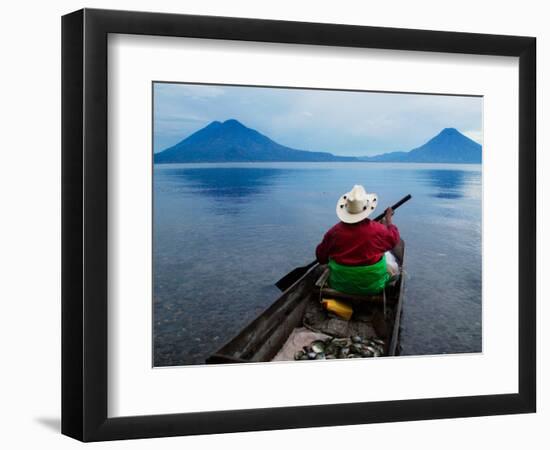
<point x="358" y="244"/>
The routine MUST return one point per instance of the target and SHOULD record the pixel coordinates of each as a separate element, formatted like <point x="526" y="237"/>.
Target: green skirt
<point x="359" y="280"/>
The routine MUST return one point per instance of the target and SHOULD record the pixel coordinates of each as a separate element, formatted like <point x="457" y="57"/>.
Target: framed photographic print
<point x="273" y="224"/>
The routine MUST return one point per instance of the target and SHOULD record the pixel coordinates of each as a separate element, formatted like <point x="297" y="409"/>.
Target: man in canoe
<point x="357" y="248"/>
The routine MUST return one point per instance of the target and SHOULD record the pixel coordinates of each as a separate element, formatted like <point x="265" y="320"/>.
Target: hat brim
<point x="348" y="217"/>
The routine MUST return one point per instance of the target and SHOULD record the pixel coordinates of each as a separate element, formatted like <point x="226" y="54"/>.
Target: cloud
<point x="174" y="90"/>
<point x="476" y="135"/>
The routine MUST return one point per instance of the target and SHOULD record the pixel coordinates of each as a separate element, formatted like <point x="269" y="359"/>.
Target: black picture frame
<point x="84" y="224"/>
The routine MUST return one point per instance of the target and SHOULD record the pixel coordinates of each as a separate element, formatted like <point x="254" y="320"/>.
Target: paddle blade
<point x="290" y="278"/>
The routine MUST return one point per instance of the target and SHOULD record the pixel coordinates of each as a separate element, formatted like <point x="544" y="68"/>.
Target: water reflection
<point x="449" y="184"/>
<point x="227" y="187"/>
<point x="237" y="183"/>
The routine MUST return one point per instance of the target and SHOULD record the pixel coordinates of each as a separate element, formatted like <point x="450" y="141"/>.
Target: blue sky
<point x="343" y="123"/>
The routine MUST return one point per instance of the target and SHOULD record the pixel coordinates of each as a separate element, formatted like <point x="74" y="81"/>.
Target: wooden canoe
<point x="300" y="306"/>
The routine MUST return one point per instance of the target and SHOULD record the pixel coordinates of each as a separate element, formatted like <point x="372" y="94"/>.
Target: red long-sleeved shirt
<point x="358" y="244"/>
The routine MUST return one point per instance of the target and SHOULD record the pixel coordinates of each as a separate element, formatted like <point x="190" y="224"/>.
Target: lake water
<point x="224" y="233"/>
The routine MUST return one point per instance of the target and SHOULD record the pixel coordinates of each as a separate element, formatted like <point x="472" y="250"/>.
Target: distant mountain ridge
<point x="449" y="146"/>
<point x="231" y="141"/>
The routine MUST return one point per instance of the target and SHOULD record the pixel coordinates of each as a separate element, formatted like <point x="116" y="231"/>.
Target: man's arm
<point x="390" y="236"/>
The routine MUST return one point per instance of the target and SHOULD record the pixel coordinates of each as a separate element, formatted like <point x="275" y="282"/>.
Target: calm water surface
<point x="224" y="233"/>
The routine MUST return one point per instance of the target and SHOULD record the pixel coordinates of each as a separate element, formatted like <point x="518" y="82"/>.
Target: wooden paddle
<point x="290" y="278"/>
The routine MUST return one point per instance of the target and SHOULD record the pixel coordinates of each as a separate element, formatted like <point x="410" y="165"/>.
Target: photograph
<point x="307" y="225"/>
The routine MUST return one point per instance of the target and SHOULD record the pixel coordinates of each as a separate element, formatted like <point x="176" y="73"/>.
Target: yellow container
<point x="341" y="309"/>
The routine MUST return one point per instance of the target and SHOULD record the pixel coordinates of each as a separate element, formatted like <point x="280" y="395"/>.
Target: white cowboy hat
<point x="355" y="205"/>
